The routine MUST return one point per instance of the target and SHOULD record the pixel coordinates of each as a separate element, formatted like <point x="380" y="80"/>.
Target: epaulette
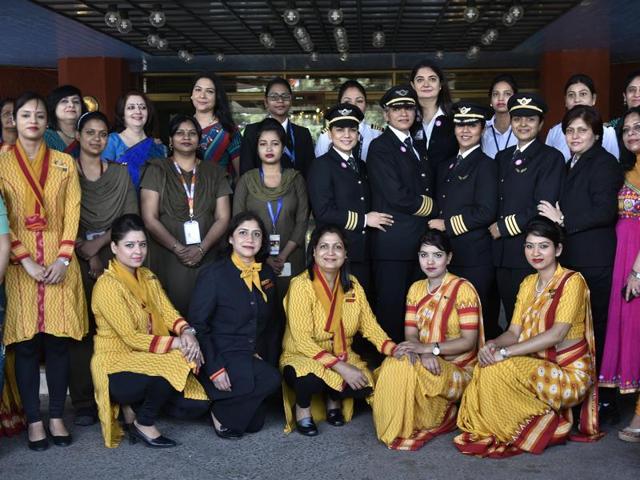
<point x="324" y="130"/>
<point x="376" y="127"/>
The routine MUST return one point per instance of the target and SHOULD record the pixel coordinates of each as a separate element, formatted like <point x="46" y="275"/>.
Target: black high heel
<point x="159" y="442"/>
<point x="224" y="432"/>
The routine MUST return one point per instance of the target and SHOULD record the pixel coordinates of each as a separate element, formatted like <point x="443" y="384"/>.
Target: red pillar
<point x="102" y="77"/>
<point x="556" y="68"/>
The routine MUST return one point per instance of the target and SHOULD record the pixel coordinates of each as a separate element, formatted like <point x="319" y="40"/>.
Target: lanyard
<point x="495" y="139"/>
<point x="274" y="218"/>
<point x="291" y="153"/>
<point x="190" y="191"/>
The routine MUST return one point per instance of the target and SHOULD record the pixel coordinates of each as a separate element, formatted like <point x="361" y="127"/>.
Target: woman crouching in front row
<point x="528" y="379"/>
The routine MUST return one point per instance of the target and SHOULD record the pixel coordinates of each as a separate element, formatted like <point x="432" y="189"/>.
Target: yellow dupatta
<point x="138" y="286"/>
<point x="633" y="175"/>
<point x="331" y="301"/>
<point x="433" y="312"/>
<point x="249" y="273"/>
<point x="34" y="177"/>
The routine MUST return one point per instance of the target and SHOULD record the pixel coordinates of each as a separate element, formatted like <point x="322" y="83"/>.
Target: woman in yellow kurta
<point x="528" y="379"/>
<point x="415" y="397"/>
<point x="45" y="303"/>
<point x="325" y="308"/>
<point x="136" y="360"/>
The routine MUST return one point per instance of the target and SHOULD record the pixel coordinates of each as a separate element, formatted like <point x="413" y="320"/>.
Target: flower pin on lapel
<point x="403" y="149"/>
<point x="518" y="162"/>
<point x="343" y="165"/>
<point x="438" y="123"/>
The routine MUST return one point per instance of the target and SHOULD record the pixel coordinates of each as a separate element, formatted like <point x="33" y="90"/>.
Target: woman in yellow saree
<point x="528" y="379"/>
<point x="415" y="396"/>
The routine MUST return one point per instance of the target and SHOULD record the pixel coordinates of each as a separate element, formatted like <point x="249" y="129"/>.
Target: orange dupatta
<point x="34" y="176"/>
<point x="332" y="301"/>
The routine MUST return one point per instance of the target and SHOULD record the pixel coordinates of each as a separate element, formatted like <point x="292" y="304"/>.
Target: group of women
<point x="209" y="302"/>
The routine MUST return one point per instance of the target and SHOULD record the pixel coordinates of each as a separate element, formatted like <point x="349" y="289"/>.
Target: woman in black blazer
<point x="588" y="209"/>
<point x="231" y="309"/>
<point x="432" y="131"/>
<point x="467" y="197"/>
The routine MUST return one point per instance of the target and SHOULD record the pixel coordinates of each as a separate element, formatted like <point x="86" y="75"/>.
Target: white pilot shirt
<point x="557" y="139"/>
<point x="367" y="133"/>
<point x="493" y="141"/>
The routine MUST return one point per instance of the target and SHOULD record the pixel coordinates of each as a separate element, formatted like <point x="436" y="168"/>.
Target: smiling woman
<point x="65" y="107"/>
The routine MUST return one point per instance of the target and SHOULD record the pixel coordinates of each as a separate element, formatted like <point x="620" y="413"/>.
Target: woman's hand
<point x="86" y="249"/>
<point x="190" y="347"/>
<point x="55" y="273"/>
<point x="412" y="346"/>
<point x="486" y="355"/>
<point x="276" y="264"/>
<point x="95" y="267"/>
<point x="552" y="213"/>
<point x="633" y="287"/>
<point x="437" y="224"/>
<point x="222" y="382"/>
<point x="33" y="269"/>
<point x="354" y="377"/>
<point x="431" y="363"/>
<point x="191" y="255"/>
<point x="379" y="220"/>
<point x="494" y="231"/>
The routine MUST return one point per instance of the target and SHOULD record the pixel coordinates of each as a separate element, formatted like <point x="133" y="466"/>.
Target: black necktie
<point x="458" y="160"/>
<point x="409" y="144"/>
<point x="517" y="153"/>
<point x="353" y="164"/>
<point x="573" y="162"/>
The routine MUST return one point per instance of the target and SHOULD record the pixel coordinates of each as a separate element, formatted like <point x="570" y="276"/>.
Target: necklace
<point x="539" y="291"/>
<point x="70" y="137"/>
<point x="431" y="292"/>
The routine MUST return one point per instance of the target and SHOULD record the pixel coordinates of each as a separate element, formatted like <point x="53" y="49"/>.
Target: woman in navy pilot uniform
<point x="467" y="195"/>
<point x="401" y="185"/>
<point x="432" y="131"/>
<point x="232" y="305"/>
<point x="339" y="189"/>
<point x="528" y="173"/>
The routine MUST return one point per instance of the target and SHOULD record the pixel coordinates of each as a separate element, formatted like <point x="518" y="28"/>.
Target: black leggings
<point x="149" y="393"/>
<point x="309" y="385"/>
<point x="56" y="355"/>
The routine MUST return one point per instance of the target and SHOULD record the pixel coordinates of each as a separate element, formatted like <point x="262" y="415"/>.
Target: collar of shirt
<point x="428" y="127"/>
<point x="522" y="149"/>
<point x="401" y="135"/>
<point x="343" y="155"/>
<point x="466" y="154"/>
<point x="285" y="124"/>
<point x="491" y="123"/>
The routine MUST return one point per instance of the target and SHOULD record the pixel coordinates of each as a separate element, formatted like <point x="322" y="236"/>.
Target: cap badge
<point x="402" y="93"/>
<point x="345" y="111"/>
<point x="524" y="100"/>
<point x="464" y="110"/>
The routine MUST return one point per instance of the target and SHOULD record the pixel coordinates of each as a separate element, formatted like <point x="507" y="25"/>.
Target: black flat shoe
<point x="335" y="417"/>
<point x="307" y="427"/>
<point x="608" y="413"/>
<point x="159" y="442"/>
<point x="85" y="417"/>
<point x="38" y="445"/>
<point x="62" y="440"/>
<point x="224" y="432"/>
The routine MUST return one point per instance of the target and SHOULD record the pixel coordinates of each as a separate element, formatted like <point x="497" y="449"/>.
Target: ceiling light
<point x="508" y="20"/>
<point x="439" y="54"/>
<point x="112" y="17"/>
<point x="490" y="36"/>
<point x="516" y="11"/>
<point x="220" y="57"/>
<point x="124" y="24"/>
<point x="344" y="56"/>
<point x="291" y="15"/>
<point x="378" y="38"/>
<point x="152" y="38"/>
<point x="471" y="13"/>
<point x="266" y="39"/>
<point x="314" y="56"/>
<point x="162" y="43"/>
<point x="157" y="18"/>
<point x="335" y="16"/>
<point x="473" y="51"/>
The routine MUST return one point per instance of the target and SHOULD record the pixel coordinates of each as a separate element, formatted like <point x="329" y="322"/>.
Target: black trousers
<point x="243" y="411"/>
<point x="80" y="382"/>
<point x="483" y="278"/>
<point x="509" y="280"/>
<point x="392" y="279"/>
<point x="56" y="355"/>
<point x="362" y="271"/>
<point x="309" y="385"/>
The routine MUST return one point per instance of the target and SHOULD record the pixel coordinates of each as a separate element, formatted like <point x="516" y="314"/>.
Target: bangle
<point x="561" y="222"/>
<point x="635" y="274"/>
<point x="175" y="245"/>
<point x="201" y="250"/>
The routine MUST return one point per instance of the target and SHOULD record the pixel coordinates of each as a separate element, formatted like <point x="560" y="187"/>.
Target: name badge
<point x="93" y="235"/>
<point x="191" y="232"/>
<point x="286" y="270"/>
<point x="274" y="244"/>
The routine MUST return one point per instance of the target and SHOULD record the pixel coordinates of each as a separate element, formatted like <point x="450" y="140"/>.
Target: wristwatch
<point x="504" y="353"/>
<point x="635" y="274"/>
<point x="190" y="330"/>
<point x="436" y="349"/>
<point x="64" y="261"/>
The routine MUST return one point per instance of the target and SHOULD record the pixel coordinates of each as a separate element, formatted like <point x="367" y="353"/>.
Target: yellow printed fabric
<point x="308" y="347"/>
<point x="410" y="404"/>
<point x="33" y="307"/>
<point x="523" y="404"/>
<point x="124" y="342"/>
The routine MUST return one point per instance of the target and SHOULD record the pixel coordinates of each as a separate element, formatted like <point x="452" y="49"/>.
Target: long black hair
<point x="444" y="95"/>
<point x="627" y="158"/>
<point x="345" y="271"/>
<point x="221" y="108"/>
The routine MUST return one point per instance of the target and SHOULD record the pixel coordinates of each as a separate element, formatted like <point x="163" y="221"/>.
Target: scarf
<point x="34" y="176"/>
<point x="140" y="287"/>
<point x="249" y="273"/>
<point x="331" y="302"/>
<point x="263" y="193"/>
<point x="633" y="175"/>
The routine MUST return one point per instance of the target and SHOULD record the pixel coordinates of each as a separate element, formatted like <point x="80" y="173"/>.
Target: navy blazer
<point x="467" y="195"/>
<point x="442" y="145"/>
<point x="230" y="322"/>
<point x="401" y="185"/>
<point x="304" y="152"/>
<point x="340" y="196"/>
<point x="589" y="203"/>
<point x="536" y="175"/>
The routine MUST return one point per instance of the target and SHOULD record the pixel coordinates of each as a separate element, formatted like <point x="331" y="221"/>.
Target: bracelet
<point x="201" y="250"/>
<point x="175" y="245"/>
<point x="635" y="274"/>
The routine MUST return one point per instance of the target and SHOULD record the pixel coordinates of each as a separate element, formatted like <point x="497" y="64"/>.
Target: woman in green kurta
<point x="107" y="193"/>
<point x="185" y="206"/>
<point x="279" y="197"/>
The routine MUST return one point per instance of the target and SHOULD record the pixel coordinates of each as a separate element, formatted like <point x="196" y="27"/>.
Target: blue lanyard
<point x="291" y="153"/>
<point x="495" y="139"/>
<point x="274" y="218"/>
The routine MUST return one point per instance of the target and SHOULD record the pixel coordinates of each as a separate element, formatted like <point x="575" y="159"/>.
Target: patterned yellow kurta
<point x="411" y="405"/>
<point x="308" y="347"/>
<point x="123" y="343"/>
<point x="35" y="307"/>
<point x="523" y="404"/>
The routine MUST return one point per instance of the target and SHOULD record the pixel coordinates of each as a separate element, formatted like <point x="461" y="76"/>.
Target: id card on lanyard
<point x="191" y="227"/>
<point x="274" y="238"/>
<point x="291" y="153"/>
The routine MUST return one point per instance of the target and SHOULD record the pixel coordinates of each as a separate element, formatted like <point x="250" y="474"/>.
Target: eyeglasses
<point x="635" y="129"/>
<point x="274" y="97"/>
